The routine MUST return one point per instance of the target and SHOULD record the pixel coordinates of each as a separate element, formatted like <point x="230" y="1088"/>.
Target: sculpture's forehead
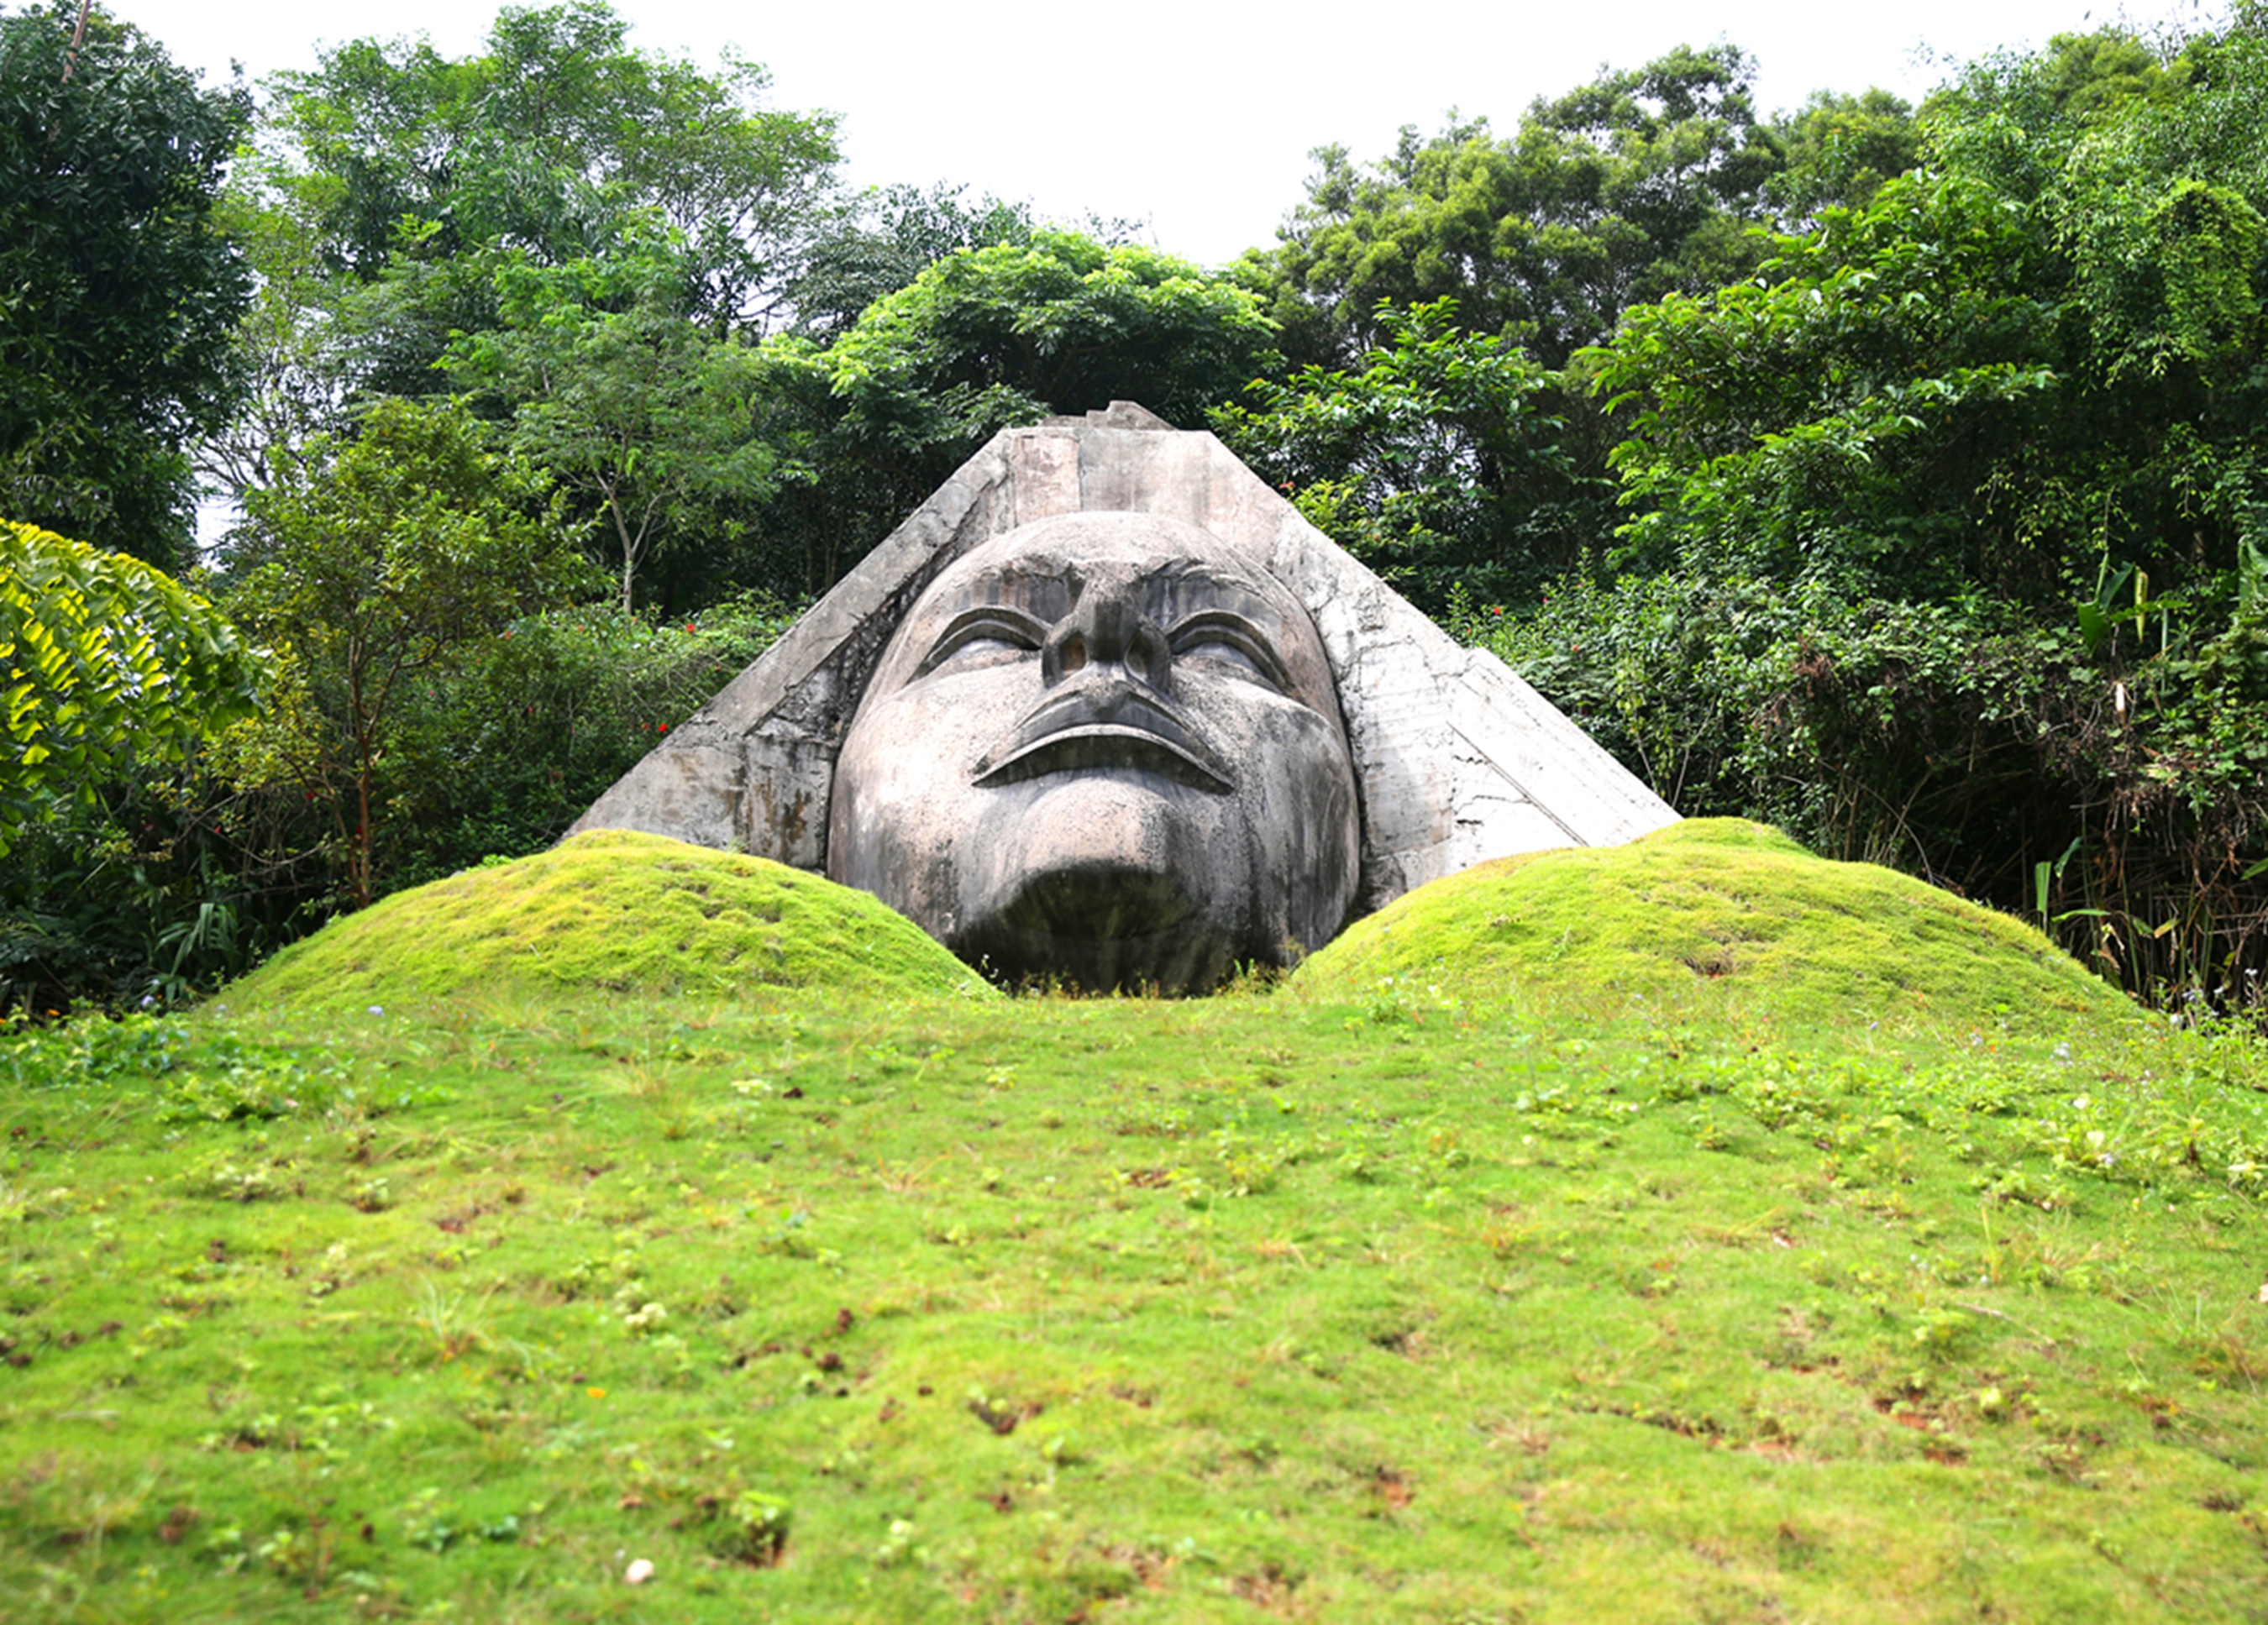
<point x="1172" y="569"/>
<point x="1167" y="555"/>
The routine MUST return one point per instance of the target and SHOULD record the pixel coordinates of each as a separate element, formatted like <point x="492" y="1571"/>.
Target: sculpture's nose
<point x="1107" y="629"/>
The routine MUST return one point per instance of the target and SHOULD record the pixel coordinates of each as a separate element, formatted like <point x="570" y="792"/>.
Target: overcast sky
<point x="1196" y="117"/>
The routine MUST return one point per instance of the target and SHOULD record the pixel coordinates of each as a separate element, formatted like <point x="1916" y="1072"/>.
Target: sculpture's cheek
<point x="1299" y="815"/>
<point x="902" y="796"/>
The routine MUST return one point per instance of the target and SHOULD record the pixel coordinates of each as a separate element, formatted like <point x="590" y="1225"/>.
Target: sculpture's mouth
<point x="1098" y="901"/>
<point x="1103" y="926"/>
<point x="1105" y="724"/>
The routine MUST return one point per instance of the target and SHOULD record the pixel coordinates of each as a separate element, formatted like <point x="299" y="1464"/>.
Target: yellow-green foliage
<point x="1717" y="914"/>
<point x="103" y="661"/>
<point x="610" y="911"/>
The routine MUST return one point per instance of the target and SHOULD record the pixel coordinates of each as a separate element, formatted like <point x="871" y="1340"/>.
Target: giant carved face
<point x="1103" y="747"/>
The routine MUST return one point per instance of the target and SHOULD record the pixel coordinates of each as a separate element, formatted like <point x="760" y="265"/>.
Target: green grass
<point x="1722" y="917"/>
<point x="610" y="911"/>
<point x="1433" y="1295"/>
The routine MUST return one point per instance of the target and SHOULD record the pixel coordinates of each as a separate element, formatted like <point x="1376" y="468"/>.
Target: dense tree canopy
<point x="882" y="240"/>
<point x="1058" y="323"/>
<point x="1838" y="149"/>
<point x="647" y="418"/>
<point x="1624" y="189"/>
<point x="1643" y="183"/>
<point x="1438" y="461"/>
<point x="1965" y="497"/>
<point x="117" y="296"/>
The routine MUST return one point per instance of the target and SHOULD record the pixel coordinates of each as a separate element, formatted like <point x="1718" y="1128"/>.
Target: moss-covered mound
<point x="1714" y="915"/>
<point x="610" y="911"/>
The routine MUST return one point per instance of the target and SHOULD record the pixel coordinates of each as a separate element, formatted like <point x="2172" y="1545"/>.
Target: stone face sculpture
<point x="1455" y="759"/>
<point x="1105" y="747"/>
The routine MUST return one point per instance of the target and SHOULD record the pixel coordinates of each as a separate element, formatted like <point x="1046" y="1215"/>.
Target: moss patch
<point x="610" y="911"/>
<point x="1721" y="913"/>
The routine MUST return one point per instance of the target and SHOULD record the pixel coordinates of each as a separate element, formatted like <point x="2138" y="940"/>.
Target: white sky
<point x="1195" y="117"/>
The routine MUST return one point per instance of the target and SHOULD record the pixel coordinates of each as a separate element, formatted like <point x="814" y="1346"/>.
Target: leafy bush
<point x="174" y="878"/>
<point x="499" y="756"/>
<point x="2116" y="803"/>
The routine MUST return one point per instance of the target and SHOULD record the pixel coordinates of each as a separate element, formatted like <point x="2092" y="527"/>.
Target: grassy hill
<point x="610" y="911"/>
<point x="1723" y="917"/>
<point x="1432" y="1285"/>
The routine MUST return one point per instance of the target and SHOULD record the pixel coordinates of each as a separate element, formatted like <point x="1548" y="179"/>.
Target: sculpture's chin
<point x="1102" y="927"/>
<point x="1101" y="880"/>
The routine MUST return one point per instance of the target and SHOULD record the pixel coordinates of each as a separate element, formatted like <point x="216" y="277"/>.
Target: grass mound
<point x="610" y="911"/>
<point x="1720" y="912"/>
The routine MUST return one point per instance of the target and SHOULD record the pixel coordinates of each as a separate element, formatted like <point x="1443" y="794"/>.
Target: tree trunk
<point x="629" y="546"/>
<point x="358" y="847"/>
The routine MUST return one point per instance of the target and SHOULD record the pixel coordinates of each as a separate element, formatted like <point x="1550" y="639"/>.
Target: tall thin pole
<point x="78" y="38"/>
<point x="71" y="60"/>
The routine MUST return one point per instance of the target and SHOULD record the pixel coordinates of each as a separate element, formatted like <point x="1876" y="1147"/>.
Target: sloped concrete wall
<point x="1458" y="759"/>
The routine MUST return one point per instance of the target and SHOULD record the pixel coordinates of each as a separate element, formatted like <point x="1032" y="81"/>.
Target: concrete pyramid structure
<point x="1458" y="759"/>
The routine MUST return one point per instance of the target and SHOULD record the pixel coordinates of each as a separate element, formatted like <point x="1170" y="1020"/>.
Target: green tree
<point x="2021" y="370"/>
<point x="881" y="239"/>
<point x="296" y="374"/>
<point x="1059" y="323"/>
<point x="645" y="417"/>
<point x="108" y="663"/>
<point x="1437" y="461"/>
<point x="368" y="564"/>
<point x="1838" y="150"/>
<point x="1622" y="190"/>
<point x="877" y="242"/>
<point x="544" y="142"/>
<point x="392" y="186"/>
<point x="1640" y="184"/>
<point x="117" y="296"/>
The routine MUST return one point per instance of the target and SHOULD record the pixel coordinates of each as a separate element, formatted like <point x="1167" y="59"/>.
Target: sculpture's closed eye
<point x="1224" y="639"/>
<point x="985" y="635"/>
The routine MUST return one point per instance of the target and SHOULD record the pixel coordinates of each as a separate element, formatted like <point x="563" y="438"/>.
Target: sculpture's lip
<point x="1109" y="725"/>
<point x="1103" y="745"/>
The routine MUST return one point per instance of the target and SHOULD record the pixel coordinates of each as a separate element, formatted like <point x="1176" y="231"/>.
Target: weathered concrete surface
<point x="1105" y="747"/>
<point x="1457" y="759"/>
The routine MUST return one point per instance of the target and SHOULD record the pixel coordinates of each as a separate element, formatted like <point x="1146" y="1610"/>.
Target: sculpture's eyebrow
<point x="1005" y="622"/>
<point x="1225" y="626"/>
